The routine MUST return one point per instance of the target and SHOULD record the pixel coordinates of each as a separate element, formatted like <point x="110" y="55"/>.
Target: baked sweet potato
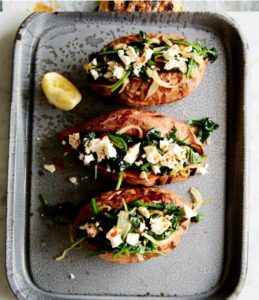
<point x="109" y="220"/>
<point x="141" y="6"/>
<point x="148" y="69"/>
<point x="124" y="129"/>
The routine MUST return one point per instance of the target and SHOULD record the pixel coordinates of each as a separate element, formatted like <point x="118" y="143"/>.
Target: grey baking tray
<point x="211" y="260"/>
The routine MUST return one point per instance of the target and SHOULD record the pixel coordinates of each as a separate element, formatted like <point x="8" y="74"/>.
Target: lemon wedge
<point x="60" y="92"/>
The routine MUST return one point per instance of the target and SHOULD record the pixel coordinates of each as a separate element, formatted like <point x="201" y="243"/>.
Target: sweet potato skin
<point x="136" y="91"/>
<point x="141" y="6"/>
<point x="114" y="200"/>
<point x="146" y="120"/>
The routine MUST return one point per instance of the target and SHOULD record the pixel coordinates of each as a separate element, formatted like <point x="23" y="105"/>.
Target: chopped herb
<point x="150" y="63"/>
<point x="145" y="167"/>
<point x="120" y="82"/>
<point x="198" y="218"/>
<point x="194" y="157"/>
<point x="173" y="135"/>
<point x="94" y="206"/>
<point x="95" y="172"/>
<point x="107" y="52"/>
<point x="212" y="54"/>
<point x="60" y="213"/>
<point x="118" y="141"/>
<point x="121" y="175"/>
<point x="205" y="127"/>
<point x="153" y="134"/>
<point x="143" y="36"/>
<point x="139" y="203"/>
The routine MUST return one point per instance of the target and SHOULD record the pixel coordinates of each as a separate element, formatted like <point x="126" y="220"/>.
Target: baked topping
<point x="136" y="228"/>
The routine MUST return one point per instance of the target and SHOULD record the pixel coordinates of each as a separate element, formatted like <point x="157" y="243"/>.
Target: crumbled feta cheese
<point x="71" y="276"/>
<point x="51" y="168"/>
<point x="203" y="170"/>
<point x="74" y="140"/>
<point x="109" y="150"/>
<point x="188" y="212"/>
<point x="64" y="143"/>
<point x="108" y="75"/>
<point x="91" y="229"/>
<point x="147" y="54"/>
<point x="132" y="53"/>
<point x="73" y="180"/>
<point x="152" y="154"/>
<point x="124" y="58"/>
<point x="132" y="154"/>
<point x="114" y="70"/>
<point x="94" y="62"/>
<point x="88" y="159"/>
<point x="102" y="147"/>
<point x="169" y="160"/>
<point x="81" y="156"/>
<point x="137" y="67"/>
<point x="164" y="145"/>
<point x="114" y="237"/>
<point x="159" y="224"/>
<point x="155" y="169"/>
<point x="187" y="49"/>
<point x="65" y="153"/>
<point x="118" y="72"/>
<point x="138" y="163"/>
<point x="144" y="212"/>
<point x="142" y="227"/>
<point x="94" y="73"/>
<point x="178" y="151"/>
<point x="143" y="175"/>
<point x="177" y="63"/>
<point x="171" y="52"/>
<point x="132" y="239"/>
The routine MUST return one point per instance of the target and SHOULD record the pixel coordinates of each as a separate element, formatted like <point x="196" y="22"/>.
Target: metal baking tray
<point x="211" y="259"/>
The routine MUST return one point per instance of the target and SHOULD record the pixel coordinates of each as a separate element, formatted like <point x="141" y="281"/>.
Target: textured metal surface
<point x="211" y="259"/>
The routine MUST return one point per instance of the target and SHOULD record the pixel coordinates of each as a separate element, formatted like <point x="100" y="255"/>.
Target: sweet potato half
<point x="140" y="89"/>
<point x="118" y="200"/>
<point x="137" y="122"/>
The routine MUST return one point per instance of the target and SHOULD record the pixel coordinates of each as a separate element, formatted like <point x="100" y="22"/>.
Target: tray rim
<point x="31" y="288"/>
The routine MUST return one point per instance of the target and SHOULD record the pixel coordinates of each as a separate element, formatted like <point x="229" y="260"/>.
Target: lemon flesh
<point x="60" y="92"/>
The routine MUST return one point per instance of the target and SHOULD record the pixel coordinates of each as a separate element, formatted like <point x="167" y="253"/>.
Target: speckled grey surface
<point x="207" y="255"/>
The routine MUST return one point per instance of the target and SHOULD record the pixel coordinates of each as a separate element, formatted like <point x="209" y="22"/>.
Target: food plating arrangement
<point x="127" y="142"/>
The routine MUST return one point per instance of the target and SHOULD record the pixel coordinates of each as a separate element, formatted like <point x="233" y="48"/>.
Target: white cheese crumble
<point x="102" y="147"/>
<point x="159" y="225"/>
<point x="132" y="239"/>
<point x="142" y="227"/>
<point x="91" y="229"/>
<point x="71" y="276"/>
<point x="132" y="154"/>
<point x="171" y="52"/>
<point x="73" y="180"/>
<point x="143" y="175"/>
<point x="94" y="73"/>
<point x="51" y="168"/>
<point x="114" y="237"/>
<point x="132" y="53"/>
<point x="74" y="140"/>
<point x="202" y="170"/>
<point x="188" y="212"/>
<point x="152" y="154"/>
<point x="155" y="169"/>
<point x="114" y="70"/>
<point x="64" y="143"/>
<point x="124" y="58"/>
<point x="144" y="212"/>
<point x="88" y="158"/>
